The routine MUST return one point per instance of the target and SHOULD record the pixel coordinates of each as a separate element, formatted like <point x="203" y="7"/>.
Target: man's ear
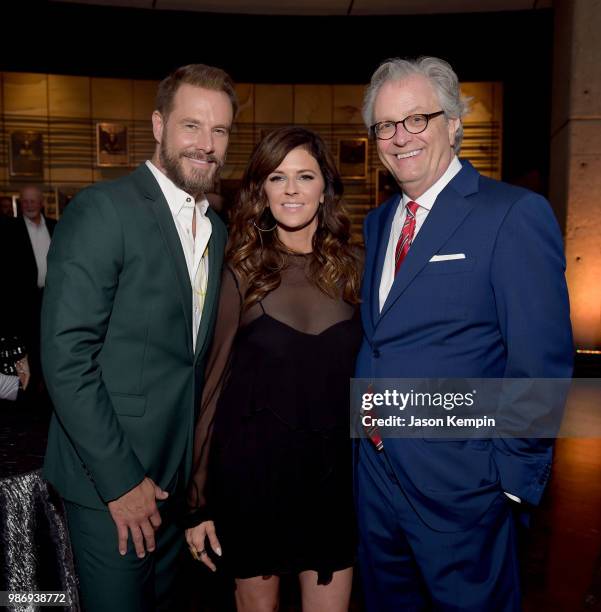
<point x="157" y="126"/>
<point x="453" y="127"/>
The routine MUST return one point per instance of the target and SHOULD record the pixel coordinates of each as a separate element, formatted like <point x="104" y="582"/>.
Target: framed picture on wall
<point x="112" y="145"/>
<point x="26" y="154"/>
<point x="352" y="158"/>
<point x="386" y="186"/>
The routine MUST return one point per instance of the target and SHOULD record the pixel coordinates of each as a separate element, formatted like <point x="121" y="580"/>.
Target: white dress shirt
<point x="183" y="208"/>
<point x="426" y="202"/>
<point x="40" y="242"/>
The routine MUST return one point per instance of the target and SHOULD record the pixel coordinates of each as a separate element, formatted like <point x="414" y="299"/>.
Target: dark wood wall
<point x="512" y="47"/>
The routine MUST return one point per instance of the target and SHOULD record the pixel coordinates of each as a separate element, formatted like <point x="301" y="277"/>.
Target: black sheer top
<point x="300" y="309"/>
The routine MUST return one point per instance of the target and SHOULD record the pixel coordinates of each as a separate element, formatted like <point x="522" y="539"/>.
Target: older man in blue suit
<point x="464" y="278"/>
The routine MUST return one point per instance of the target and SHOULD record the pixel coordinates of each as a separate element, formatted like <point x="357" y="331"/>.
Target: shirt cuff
<point x="514" y="498"/>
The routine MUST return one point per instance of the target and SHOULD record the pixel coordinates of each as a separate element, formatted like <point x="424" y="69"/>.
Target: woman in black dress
<point x="272" y="489"/>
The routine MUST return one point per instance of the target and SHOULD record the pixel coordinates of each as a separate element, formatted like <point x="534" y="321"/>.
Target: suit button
<point x="376" y="353"/>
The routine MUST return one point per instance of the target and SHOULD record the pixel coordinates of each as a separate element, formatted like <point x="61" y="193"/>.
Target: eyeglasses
<point x="414" y="124"/>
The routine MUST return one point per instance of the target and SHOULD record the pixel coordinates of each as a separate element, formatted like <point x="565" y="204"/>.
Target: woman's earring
<point x="265" y="230"/>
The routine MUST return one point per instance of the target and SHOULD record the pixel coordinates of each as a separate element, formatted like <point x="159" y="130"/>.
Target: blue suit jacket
<point x="502" y="312"/>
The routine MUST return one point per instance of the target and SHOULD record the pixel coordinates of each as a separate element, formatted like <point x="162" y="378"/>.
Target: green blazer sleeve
<point x="84" y="266"/>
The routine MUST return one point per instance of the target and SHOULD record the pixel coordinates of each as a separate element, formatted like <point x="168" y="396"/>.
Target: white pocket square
<point x="448" y="257"/>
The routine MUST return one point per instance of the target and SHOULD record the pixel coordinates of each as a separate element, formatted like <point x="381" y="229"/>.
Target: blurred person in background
<point x="6" y="207"/>
<point x="33" y="235"/>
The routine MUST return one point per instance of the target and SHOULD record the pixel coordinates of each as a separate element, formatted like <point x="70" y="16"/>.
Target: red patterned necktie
<point x="402" y="248"/>
<point x="373" y="432"/>
<point x="406" y="237"/>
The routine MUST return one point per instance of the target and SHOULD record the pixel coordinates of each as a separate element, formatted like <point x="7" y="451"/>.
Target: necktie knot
<point x="412" y="207"/>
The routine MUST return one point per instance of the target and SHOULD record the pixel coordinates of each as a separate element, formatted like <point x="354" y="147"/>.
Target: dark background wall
<point x="512" y="47"/>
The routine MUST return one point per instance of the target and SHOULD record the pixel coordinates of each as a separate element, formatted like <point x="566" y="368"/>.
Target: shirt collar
<point x="427" y="199"/>
<point x="176" y="198"/>
<point x="33" y="224"/>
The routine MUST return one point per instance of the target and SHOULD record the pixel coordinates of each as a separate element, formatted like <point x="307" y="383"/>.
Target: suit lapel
<point x="448" y="213"/>
<point x="381" y="239"/>
<point x="216" y="245"/>
<point x="152" y="192"/>
<point x="30" y="263"/>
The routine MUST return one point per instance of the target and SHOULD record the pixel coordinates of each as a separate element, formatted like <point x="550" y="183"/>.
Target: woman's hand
<point x="22" y="367"/>
<point x="196" y="537"/>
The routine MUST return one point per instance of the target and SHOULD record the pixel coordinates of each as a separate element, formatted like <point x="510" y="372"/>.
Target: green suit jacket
<point x="117" y="342"/>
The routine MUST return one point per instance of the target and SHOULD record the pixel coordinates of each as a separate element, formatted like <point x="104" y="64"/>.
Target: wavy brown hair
<point x="259" y="256"/>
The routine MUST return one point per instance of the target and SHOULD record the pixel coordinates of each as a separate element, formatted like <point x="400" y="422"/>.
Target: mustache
<point x="207" y="157"/>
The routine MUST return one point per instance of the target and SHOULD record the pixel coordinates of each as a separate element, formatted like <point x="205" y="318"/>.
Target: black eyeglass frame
<point x="427" y="116"/>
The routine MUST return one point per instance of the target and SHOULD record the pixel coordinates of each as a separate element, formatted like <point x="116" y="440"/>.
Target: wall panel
<point x="66" y="110"/>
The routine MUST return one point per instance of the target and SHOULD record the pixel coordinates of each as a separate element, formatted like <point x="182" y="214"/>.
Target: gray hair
<point x="437" y="71"/>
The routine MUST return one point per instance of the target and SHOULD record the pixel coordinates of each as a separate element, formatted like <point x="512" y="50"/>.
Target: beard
<point x="196" y="180"/>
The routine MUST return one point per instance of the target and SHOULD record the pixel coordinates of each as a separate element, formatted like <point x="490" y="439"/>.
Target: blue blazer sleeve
<point x="528" y="278"/>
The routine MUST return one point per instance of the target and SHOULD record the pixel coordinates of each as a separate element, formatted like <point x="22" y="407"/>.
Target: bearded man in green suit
<point x="128" y="315"/>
